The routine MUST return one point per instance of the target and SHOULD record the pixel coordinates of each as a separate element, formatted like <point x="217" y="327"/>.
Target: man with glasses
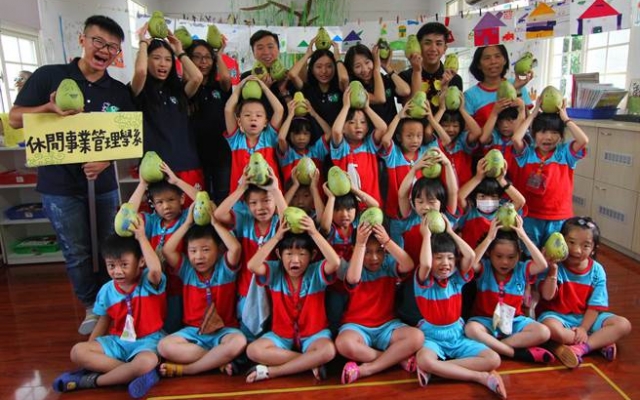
<point x="64" y="187"/>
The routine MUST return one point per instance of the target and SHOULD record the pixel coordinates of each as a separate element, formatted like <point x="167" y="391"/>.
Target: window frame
<point x="7" y="88"/>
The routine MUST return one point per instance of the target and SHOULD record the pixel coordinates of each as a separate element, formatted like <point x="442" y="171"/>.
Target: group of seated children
<point x="248" y="291"/>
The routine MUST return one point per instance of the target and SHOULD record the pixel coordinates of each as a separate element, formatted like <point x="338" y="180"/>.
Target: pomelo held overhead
<point x="506" y="215"/>
<point x="506" y="90"/>
<point x="305" y="169"/>
<point x="372" y="216"/>
<point x="158" y="26"/>
<point x="412" y="46"/>
<point x="452" y="98"/>
<point x="202" y="209"/>
<point x="435" y="169"/>
<point x="184" y="37"/>
<point x="150" y="170"/>
<point x="214" y="37"/>
<point x="551" y="100"/>
<point x="338" y="181"/>
<point x="323" y="40"/>
<point x="358" y="96"/>
<point x="435" y="221"/>
<point x="417" y="110"/>
<point x="495" y="163"/>
<point x="293" y="216"/>
<point x="251" y="90"/>
<point x="258" y="170"/>
<point x="124" y="220"/>
<point x="301" y="107"/>
<point x="525" y="64"/>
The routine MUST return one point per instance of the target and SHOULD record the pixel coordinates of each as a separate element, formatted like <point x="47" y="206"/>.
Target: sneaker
<point x="609" y="352"/>
<point x="142" y="384"/>
<point x="68" y="381"/>
<point x="90" y="321"/>
<point x="566" y="354"/>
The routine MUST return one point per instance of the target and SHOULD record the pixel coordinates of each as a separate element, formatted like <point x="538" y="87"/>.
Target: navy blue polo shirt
<point x="167" y="130"/>
<point x="106" y="94"/>
<point x="387" y="110"/>
<point x="327" y="104"/>
<point x="431" y="77"/>
<point x="207" y="120"/>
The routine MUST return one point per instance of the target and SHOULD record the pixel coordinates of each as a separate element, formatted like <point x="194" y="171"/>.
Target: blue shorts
<point x="519" y="323"/>
<point x="124" y="351"/>
<point x="539" y="230"/>
<point x="574" y="320"/>
<point x="449" y="341"/>
<point x="207" y="342"/>
<point x="378" y="337"/>
<point x="305" y="342"/>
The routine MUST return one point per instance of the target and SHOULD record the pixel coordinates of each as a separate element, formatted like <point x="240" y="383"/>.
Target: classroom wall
<point x="22" y="14"/>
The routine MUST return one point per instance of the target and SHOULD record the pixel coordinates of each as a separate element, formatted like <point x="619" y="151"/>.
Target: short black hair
<point x="162" y="186"/>
<point x="487" y="186"/>
<point x="296" y="241"/>
<point x="403" y="121"/>
<point x="299" y="124"/>
<point x="474" y="68"/>
<point x="583" y="222"/>
<point x="348" y="201"/>
<point x="114" y="246"/>
<point x="509" y="114"/>
<point x="451" y="116"/>
<point x="315" y="56"/>
<point x="431" y="187"/>
<point x="201" y="232"/>
<point x="547" y="122"/>
<point x="106" y="24"/>
<point x="244" y="102"/>
<point x="443" y="243"/>
<point x="262" y="34"/>
<point x="350" y="56"/>
<point x="251" y="188"/>
<point x="433" y="27"/>
<point x="352" y="113"/>
<point x="505" y="236"/>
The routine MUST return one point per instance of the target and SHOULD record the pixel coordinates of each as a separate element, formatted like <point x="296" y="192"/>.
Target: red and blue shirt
<point x="440" y="301"/>
<point x="479" y="100"/>
<point x="489" y="292"/>
<point x="363" y="157"/>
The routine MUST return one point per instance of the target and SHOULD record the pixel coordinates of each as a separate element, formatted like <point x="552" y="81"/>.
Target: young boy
<point x="447" y="352"/>
<point x="306" y="197"/>
<point x="371" y="334"/>
<point x="255" y="221"/>
<point x="300" y="340"/>
<point x="131" y="309"/>
<point x="249" y="131"/>
<point x="209" y="278"/>
<point x="167" y="197"/>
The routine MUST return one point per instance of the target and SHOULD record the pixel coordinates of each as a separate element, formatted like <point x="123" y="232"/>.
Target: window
<point x="566" y="59"/>
<point x="134" y="9"/>
<point x="18" y="52"/>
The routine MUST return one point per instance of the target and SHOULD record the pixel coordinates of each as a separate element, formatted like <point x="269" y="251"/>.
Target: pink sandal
<point x="409" y="364"/>
<point x="496" y="385"/>
<point x="609" y="352"/>
<point x="350" y="373"/>
<point x="541" y="355"/>
<point x="423" y="377"/>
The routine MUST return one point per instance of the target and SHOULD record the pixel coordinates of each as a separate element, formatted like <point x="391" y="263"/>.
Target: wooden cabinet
<point x="614" y="210"/>
<point x="635" y="245"/>
<point x="587" y="165"/>
<point x="618" y="155"/>
<point x="582" y="193"/>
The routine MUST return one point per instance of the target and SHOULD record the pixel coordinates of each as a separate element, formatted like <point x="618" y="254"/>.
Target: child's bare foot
<point x="258" y="373"/>
<point x="496" y="385"/>
<point x="409" y="364"/>
<point x="170" y="370"/>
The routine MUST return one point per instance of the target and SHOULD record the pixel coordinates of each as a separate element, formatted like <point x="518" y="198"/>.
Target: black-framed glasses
<point x="198" y="58"/>
<point x="99" y="44"/>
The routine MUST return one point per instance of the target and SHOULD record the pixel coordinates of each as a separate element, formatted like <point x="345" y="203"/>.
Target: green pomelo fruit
<point x="259" y="70"/>
<point x="372" y="216"/>
<point x="412" y="46"/>
<point x="417" y="109"/>
<point x="125" y="217"/>
<point x="158" y="26"/>
<point x="451" y="62"/>
<point x="69" y="96"/>
<point x="184" y="37"/>
<point x="551" y="100"/>
<point x="323" y="40"/>
<point x="506" y="90"/>
<point x="214" y="37"/>
<point x="338" y="181"/>
<point x="556" y="248"/>
<point x="202" y="209"/>
<point x="277" y="70"/>
<point x="384" y="50"/>
<point x="435" y="221"/>
<point x="306" y="168"/>
<point x="301" y="107"/>
<point x="525" y="64"/>
<point x="452" y="98"/>
<point x="251" y="90"/>
<point x="506" y="215"/>
<point x="434" y="170"/>
<point x="495" y="163"/>
<point x="150" y="167"/>
<point x="258" y="170"/>
<point x="358" y="95"/>
<point x="293" y="216"/>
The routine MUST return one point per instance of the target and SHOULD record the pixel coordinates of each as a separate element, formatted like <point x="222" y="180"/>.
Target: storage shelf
<point x="128" y="180"/>
<point x="11" y="148"/>
<point x="17" y="259"/>
<point x="7" y="221"/>
<point x="18" y="186"/>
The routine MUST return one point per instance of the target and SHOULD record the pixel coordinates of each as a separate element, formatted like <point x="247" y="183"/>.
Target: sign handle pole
<point x="93" y="224"/>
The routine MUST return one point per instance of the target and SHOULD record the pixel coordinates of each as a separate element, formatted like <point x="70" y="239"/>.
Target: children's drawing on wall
<point x="599" y="16"/>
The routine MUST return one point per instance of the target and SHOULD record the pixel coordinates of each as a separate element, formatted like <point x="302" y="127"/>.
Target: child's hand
<point x="501" y="178"/>
<point x="518" y="227"/>
<point x="500" y="106"/>
<point x="364" y="231"/>
<point x="172" y="178"/>
<point x="282" y="229"/>
<point x="462" y="101"/>
<point x="481" y="168"/>
<point x="416" y="61"/>
<point x="315" y="178"/>
<point x="294" y="177"/>
<point x="442" y="96"/>
<point x="312" y="111"/>
<point x="493" y="229"/>
<point x="424" y="227"/>
<point x="243" y="183"/>
<point x="273" y="185"/>
<point x="138" y="228"/>
<point x="381" y="234"/>
<point x="189" y="220"/>
<point x="441" y="157"/>
<point x="563" y="111"/>
<point x="308" y="225"/>
<point x="212" y="210"/>
<point x="404" y="113"/>
<point x="447" y="223"/>
<point x="291" y="108"/>
<point x="327" y="192"/>
<point x="581" y="335"/>
<point x="346" y="97"/>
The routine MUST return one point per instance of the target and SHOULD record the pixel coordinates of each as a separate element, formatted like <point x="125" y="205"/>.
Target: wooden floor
<point x="39" y="318"/>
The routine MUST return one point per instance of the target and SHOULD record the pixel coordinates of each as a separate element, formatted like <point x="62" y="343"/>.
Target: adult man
<point x="64" y="187"/>
<point x="426" y="68"/>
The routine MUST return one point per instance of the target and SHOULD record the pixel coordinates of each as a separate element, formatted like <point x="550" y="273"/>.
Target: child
<point x="248" y="130"/>
<point x="506" y="115"/>
<point x="546" y="175"/>
<point x="132" y="306"/>
<point x="481" y="197"/>
<point x="167" y="198"/>
<point x="426" y="194"/>
<point x="370" y="334"/>
<point x="300" y="340"/>
<point x="357" y="153"/>
<point x="501" y="279"/>
<point x="209" y="278"/>
<point x="575" y="301"/>
<point x="438" y="284"/>
<point x="163" y="98"/>
<point x="463" y="133"/>
<point x="306" y="197"/>
<point x="254" y="222"/>
<point x="294" y="140"/>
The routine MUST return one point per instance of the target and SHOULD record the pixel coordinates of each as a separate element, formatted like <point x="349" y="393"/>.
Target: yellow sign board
<point x="12" y="137"/>
<point x="85" y="137"/>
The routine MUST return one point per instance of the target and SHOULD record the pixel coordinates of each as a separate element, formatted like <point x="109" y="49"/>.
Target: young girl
<point x="446" y="351"/>
<point x="295" y="140"/>
<point x="162" y="97"/>
<point x="546" y="175"/>
<point x="501" y="279"/>
<point x="575" y="301"/>
<point x="306" y="197"/>
<point x="462" y="134"/>
<point x="354" y="145"/>
<point x="371" y="334"/>
<point x="208" y="110"/>
<point x="324" y="81"/>
<point x="364" y="65"/>
<point x="480" y="198"/>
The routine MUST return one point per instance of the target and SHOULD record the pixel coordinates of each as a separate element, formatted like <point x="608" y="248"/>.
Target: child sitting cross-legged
<point x="209" y="278"/>
<point x="300" y="340"/>
<point x="371" y="334"/>
<point x="132" y="307"/>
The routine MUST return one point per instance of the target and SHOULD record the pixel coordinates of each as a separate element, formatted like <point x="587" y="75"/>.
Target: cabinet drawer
<point x="587" y="165"/>
<point x="614" y="209"/>
<point x="582" y="192"/>
<point x="618" y="158"/>
<point x="635" y="246"/>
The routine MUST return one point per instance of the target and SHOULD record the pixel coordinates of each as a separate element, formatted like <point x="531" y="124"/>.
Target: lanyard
<point x="127" y="300"/>
<point x="208" y="290"/>
<point x="501" y="293"/>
